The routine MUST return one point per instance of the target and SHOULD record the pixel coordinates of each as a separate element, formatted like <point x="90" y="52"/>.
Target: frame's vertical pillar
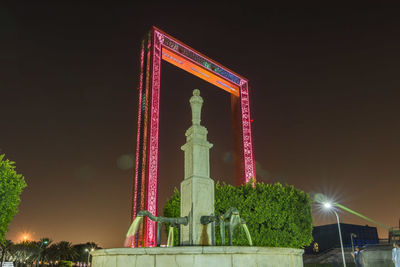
<point x="136" y="197"/>
<point x="143" y="191"/>
<point x="238" y="161"/>
<point x="141" y="138"/>
<point x="139" y="142"/>
<point x="248" y="161"/>
<point x="152" y="173"/>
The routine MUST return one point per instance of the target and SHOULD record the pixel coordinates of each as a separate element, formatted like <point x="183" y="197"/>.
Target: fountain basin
<point x="198" y="256"/>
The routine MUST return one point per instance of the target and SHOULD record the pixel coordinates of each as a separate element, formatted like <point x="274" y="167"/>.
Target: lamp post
<point x="88" y="254"/>
<point x="328" y="205"/>
<point x="42" y="242"/>
<point x="352" y="242"/>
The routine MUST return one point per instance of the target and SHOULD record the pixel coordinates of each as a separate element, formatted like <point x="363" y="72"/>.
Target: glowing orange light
<point x="199" y="71"/>
<point x="25" y="237"/>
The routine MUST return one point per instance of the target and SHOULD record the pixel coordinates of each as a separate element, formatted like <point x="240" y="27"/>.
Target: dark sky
<point x="324" y="89"/>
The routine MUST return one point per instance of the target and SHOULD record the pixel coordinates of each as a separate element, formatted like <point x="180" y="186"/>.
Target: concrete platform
<point x="198" y="256"/>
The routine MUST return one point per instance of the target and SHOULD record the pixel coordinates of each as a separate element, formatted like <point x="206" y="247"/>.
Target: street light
<point x="45" y="242"/>
<point x="88" y="254"/>
<point x="328" y="206"/>
<point x="352" y="235"/>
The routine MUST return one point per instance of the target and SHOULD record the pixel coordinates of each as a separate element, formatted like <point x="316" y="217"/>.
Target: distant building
<point x="394" y="234"/>
<point x="327" y="236"/>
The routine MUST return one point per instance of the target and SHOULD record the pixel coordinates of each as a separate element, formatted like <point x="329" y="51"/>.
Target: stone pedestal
<point x="196" y="205"/>
<point x="197" y="189"/>
<point x="199" y="257"/>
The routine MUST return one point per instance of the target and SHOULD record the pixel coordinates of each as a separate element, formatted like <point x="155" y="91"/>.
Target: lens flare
<point x="324" y="202"/>
<point x="24" y="237"/>
<point x="361" y="216"/>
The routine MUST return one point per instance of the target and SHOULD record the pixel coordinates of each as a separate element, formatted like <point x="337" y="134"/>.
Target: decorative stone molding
<point x="198" y="257"/>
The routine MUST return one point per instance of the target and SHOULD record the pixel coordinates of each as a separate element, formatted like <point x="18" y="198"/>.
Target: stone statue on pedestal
<point x="197" y="188"/>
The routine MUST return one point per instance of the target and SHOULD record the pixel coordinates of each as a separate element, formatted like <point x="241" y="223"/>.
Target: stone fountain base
<point x="198" y="257"/>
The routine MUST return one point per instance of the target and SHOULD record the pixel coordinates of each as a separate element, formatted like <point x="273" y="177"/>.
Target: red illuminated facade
<point x="156" y="46"/>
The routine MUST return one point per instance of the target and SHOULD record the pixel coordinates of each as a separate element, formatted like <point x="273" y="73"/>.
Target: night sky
<point x="324" y="89"/>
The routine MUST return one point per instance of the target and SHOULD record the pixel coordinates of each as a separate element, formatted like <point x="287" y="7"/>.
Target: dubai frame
<point x="158" y="45"/>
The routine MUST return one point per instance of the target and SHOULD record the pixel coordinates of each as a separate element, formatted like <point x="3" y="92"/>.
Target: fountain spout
<point x="130" y="235"/>
<point x="174" y="222"/>
<point x="233" y="220"/>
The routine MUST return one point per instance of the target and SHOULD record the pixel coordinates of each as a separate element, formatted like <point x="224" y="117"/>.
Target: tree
<point x="84" y="249"/>
<point x="42" y="248"/>
<point x="63" y="250"/>
<point x="25" y="252"/>
<point x="11" y="186"/>
<point x="5" y="249"/>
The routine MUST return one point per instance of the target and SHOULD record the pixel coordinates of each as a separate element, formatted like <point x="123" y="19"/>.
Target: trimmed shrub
<point x="276" y="215"/>
<point x="65" y="264"/>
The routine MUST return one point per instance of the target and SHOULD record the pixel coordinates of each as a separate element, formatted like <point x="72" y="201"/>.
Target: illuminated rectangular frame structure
<point x="155" y="46"/>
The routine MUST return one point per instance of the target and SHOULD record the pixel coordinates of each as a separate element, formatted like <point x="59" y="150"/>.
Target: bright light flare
<point x="323" y="206"/>
<point x="25" y="237"/>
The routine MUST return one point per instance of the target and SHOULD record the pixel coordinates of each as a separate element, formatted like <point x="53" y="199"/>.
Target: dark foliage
<point x="276" y="215"/>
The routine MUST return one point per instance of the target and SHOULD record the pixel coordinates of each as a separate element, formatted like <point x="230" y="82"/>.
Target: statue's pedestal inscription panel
<point x="197" y="200"/>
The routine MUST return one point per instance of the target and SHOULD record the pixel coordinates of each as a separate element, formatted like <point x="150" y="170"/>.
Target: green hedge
<point x="65" y="264"/>
<point x="276" y="215"/>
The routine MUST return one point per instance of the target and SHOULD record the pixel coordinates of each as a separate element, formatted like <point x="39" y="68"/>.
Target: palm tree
<point x="5" y="249"/>
<point x="84" y="249"/>
<point x="43" y="252"/>
<point x="24" y="252"/>
<point x="62" y="250"/>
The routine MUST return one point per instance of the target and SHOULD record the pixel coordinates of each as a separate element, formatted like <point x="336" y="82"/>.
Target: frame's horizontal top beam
<point x="199" y="71"/>
<point x="185" y="51"/>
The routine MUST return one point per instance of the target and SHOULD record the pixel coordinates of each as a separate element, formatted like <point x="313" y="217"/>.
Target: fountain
<point x="196" y="226"/>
